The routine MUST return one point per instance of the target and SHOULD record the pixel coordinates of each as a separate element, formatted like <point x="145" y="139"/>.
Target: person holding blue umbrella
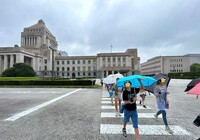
<point x="130" y="109"/>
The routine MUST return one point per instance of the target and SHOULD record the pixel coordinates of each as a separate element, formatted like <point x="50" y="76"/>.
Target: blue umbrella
<point x="146" y="81"/>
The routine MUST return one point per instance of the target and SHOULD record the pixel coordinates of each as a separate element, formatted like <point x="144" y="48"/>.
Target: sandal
<point x="124" y="132"/>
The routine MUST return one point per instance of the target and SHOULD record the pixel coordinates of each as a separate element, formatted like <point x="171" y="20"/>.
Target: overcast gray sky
<point x="88" y="27"/>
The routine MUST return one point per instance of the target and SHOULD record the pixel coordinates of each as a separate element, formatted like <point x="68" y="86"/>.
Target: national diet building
<point x="39" y="49"/>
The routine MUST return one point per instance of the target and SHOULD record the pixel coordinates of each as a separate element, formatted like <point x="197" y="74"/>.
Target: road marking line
<point x="112" y="107"/>
<point x="109" y="102"/>
<point x="140" y="115"/>
<point x="106" y="99"/>
<point x="26" y="112"/>
<point x="143" y="129"/>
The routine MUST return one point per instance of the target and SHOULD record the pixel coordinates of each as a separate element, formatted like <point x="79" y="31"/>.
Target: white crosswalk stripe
<point x="109" y="102"/>
<point x="143" y="129"/>
<point x="140" y="115"/>
<point x="113" y="107"/>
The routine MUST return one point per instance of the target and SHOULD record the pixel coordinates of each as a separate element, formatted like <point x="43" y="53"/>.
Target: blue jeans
<point x="122" y="108"/>
<point x="163" y="112"/>
<point x="133" y="115"/>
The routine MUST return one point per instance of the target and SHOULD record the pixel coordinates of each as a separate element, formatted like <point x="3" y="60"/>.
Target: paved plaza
<point x="87" y="114"/>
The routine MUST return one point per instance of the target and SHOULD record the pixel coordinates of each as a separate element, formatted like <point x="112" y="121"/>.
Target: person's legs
<point x="157" y="114"/>
<point x="164" y="117"/>
<point x="137" y="135"/>
<point x="143" y="98"/>
<point x="126" y="120"/>
<point x="116" y="106"/>
<point x="167" y="128"/>
<point x="134" y="118"/>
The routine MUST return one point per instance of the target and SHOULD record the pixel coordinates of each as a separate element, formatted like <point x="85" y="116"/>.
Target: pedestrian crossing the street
<point x="110" y="129"/>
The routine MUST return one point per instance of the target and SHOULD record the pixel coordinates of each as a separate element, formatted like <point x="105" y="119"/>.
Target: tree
<point x="195" y="67"/>
<point x="19" y="70"/>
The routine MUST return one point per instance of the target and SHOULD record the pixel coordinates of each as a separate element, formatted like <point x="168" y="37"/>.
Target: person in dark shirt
<point x="130" y="109"/>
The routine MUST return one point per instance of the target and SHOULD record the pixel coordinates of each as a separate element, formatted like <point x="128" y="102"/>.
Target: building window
<point x="73" y="68"/>
<point x="57" y="68"/>
<point x="83" y="61"/>
<point x="63" y="62"/>
<point x="45" y="61"/>
<point x="78" y="68"/>
<point x="119" y="59"/>
<point x="89" y="68"/>
<point x="113" y="59"/>
<point x="83" y="73"/>
<point x="124" y="59"/>
<point x="45" y="67"/>
<point x="63" y="69"/>
<point x="78" y="73"/>
<point x="103" y="59"/>
<point x="83" y="68"/>
<point x="89" y="61"/>
<point x="89" y="74"/>
<point x="73" y="62"/>
<point x="94" y="73"/>
<point x="68" y="62"/>
<point x="108" y="59"/>
<point x="78" y="61"/>
<point x="68" y="68"/>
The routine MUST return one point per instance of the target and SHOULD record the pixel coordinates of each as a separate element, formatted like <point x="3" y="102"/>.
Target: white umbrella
<point x="118" y="75"/>
<point x="111" y="79"/>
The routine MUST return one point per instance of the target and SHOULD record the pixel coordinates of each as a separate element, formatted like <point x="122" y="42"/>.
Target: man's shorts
<point x="111" y="94"/>
<point x="133" y="115"/>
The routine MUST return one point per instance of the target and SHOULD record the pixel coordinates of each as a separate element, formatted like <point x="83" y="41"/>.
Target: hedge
<point x="42" y="82"/>
<point x="185" y="75"/>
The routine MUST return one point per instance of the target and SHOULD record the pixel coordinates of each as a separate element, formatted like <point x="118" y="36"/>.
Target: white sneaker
<point x="169" y="130"/>
<point x="119" y="114"/>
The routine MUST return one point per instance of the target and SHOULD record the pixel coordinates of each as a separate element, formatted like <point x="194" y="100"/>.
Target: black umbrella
<point x="158" y="77"/>
<point x="192" y="84"/>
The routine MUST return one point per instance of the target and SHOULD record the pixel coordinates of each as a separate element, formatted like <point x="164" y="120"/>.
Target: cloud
<point x="89" y="27"/>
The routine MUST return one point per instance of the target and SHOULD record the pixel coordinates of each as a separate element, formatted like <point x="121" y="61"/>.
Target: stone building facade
<point x="167" y="64"/>
<point x="39" y="49"/>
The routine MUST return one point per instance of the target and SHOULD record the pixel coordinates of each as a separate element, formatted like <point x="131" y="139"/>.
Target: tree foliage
<point x="195" y="67"/>
<point x="19" y="70"/>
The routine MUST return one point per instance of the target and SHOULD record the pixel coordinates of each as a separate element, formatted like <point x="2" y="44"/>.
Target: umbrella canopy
<point x="146" y="81"/>
<point x="111" y="79"/>
<point x="192" y="84"/>
<point x="118" y="75"/>
<point x="195" y="90"/>
<point x="158" y="77"/>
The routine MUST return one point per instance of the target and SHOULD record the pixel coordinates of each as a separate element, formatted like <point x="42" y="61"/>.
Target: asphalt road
<point x="59" y="114"/>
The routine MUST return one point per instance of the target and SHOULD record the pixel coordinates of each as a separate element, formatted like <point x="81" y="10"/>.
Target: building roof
<point x="39" y="25"/>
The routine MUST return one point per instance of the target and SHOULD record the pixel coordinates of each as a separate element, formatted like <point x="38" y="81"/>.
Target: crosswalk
<point x="111" y="126"/>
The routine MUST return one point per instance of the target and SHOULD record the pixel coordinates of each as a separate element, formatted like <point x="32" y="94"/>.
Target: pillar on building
<point x="5" y="66"/>
<point x="1" y="66"/>
<point x="11" y="60"/>
<point x="106" y="73"/>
